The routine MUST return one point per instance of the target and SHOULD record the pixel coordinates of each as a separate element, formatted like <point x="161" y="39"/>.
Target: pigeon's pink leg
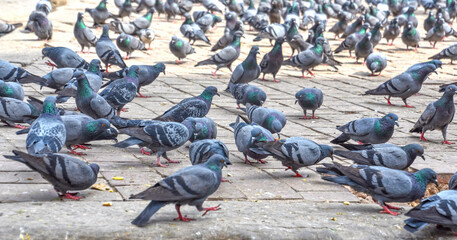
<point x="141" y="95"/>
<point x="238" y="106"/>
<point x="214" y="73"/>
<point x="392" y="207"/>
<point x="80" y="146"/>
<point x="180" y="217"/>
<point x="447" y="142"/>
<point x="76" y="153"/>
<point x="246" y="160"/>
<point x="408" y="106"/>
<point x="262" y="161"/>
<point x="359" y="142"/>
<point x="388" y="101"/>
<point x="297" y="174"/>
<point x="314" y="116"/>
<point x="423" y="138"/>
<point x="158" y="163"/>
<point x="20" y="127"/>
<point x="216" y="208"/>
<point x="71" y="196"/>
<point x="169" y="160"/>
<point x="312" y="74"/>
<point x="145" y="152"/>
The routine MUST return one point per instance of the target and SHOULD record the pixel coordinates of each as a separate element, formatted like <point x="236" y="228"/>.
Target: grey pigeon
<point x="440" y="209"/>
<point x="350" y="42"/>
<point x="202" y="150"/>
<point x="295" y="152"/>
<point x="247" y="135"/>
<point x="145" y="4"/>
<point x="226" y="56"/>
<point x="353" y="27"/>
<point x="100" y="13"/>
<point x="42" y="26"/>
<point x="122" y="27"/>
<point x="309" y="99"/>
<point x="295" y="39"/>
<point x="211" y="5"/>
<point x="47" y="133"/>
<point x="436" y="33"/>
<point x="147" y="36"/>
<point x="143" y="22"/>
<point x="190" y="107"/>
<point x="308" y="59"/>
<point x="159" y="6"/>
<point x="340" y="26"/>
<point x="84" y="36"/>
<point x="44" y="6"/>
<point x="227" y="38"/>
<point x="248" y="70"/>
<point x="363" y="48"/>
<point x="269" y="118"/>
<point x="246" y="93"/>
<point x="185" y="6"/>
<point x="158" y="136"/>
<point x="394" y="157"/>
<point x="410" y="36"/>
<point x="14" y="111"/>
<point x="392" y="31"/>
<point x="376" y="62"/>
<point x="126" y="9"/>
<point x="64" y="172"/>
<point x="171" y="9"/>
<point x="272" y="61"/>
<point x="11" y="73"/>
<point x="11" y="90"/>
<point x="192" y="31"/>
<point x="107" y="51"/>
<point x="437" y="115"/>
<point x="188" y="186"/>
<point x="63" y="57"/>
<point x="180" y="48"/>
<point x="272" y="32"/>
<point x="447" y="53"/>
<point x="368" y="130"/>
<point x="89" y="102"/>
<point x="128" y="44"/>
<point x="122" y="91"/>
<point x="6" y="28"/>
<point x="208" y="21"/>
<point x="383" y="184"/>
<point x="429" y="21"/>
<point x="376" y="34"/>
<point x="202" y="128"/>
<point x="407" y="83"/>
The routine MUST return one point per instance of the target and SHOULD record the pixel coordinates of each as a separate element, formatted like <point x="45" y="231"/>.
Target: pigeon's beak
<point x="396" y="123"/>
<point x="436" y="182"/>
<point x="115" y="140"/>
<point x="261" y="102"/>
<point x="331" y="157"/>
<point x="42" y="57"/>
<point x="218" y="94"/>
<point x="422" y="156"/>
<point x="435" y="72"/>
<point x="296" y="100"/>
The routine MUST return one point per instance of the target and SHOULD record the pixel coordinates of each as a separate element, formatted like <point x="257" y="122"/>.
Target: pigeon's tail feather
<point x="416" y="129"/>
<point x="356" y="157"/>
<point x="23" y="131"/>
<point x="412" y="225"/>
<point x="128" y="142"/>
<point x="16" y="157"/>
<point x="260" y="151"/>
<point x="340" y="48"/>
<point x="356" y="147"/>
<point x="32" y="79"/>
<point x="341" y="139"/>
<point x="204" y="62"/>
<point x="288" y="62"/>
<point x="147" y="213"/>
<point x="16" y="25"/>
<point x="343" y="180"/>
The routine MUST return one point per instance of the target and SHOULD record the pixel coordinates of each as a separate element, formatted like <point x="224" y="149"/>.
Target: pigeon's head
<point x="103" y="123"/>
<point x="366" y="26"/>
<point x="79" y="74"/>
<point x="216" y="19"/>
<point x="49" y="105"/>
<point x="210" y="91"/>
<point x="230" y="15"/>
<point x="45" y="52"/>
<point x="431" y="13"/>
<point x="378" y="25"/>
<point x="109" y="134"/>
<point x="95" y="65"/>
<point x="426" y="176"/>
<point x="257" y="97"/>
<point x="451" y="89"/>
<point x="410" y="25"/>
<point x="391" y="118"/>
<point x="257" y="135"/>
<point x="327" y="151"/>
<point x="80" y="16"/>
<point x="453" y="182"/>
<point x="368" y="35"/>
<point x="216" y="162"/>
<point x="254" y="50"/>
<point x="414" y="150"/>
<point x="134" y="69"/>
<point x="280" y="40"/>
<point x="187" y="16"/>
<point x="237" y="34"/>
<point x="105" y="31"/>
<point x="276" y="125"/>
<point x="95" y="168"/>
<point x="320" y="41"/>
<point x="437" y="63"/>
<point x="161" y="67"/>
<point x="174" y="39"/>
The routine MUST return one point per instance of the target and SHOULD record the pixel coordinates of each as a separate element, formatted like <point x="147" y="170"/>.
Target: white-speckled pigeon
<point x="84" y="36"/>
<point x="107" y="51"/>
<point x="246" y="93"/>
<point x="309" y="99"/>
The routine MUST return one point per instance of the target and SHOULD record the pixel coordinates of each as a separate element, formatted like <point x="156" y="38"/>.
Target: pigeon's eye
<point x="391" y="117"/>
<point x="103" y="125"/>
<point x="222" y="161"/>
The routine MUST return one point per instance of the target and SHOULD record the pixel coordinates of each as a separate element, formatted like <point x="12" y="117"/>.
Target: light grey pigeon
<point x="407" y="83"/>
<point x="208" y="21"/>
<point x="269" y="118"/>
<point x="128" y="44"/>
<point x="147" y="36"/>
<point x="246" y="93"/>
<point x="437" y="32"/>
<point x="309" y="99"/>
<point x="188" y="186"/>
<point x="248" y="70"/>
<point x="11" y="73"/>
<point x="44" y="6"/>
<point x="392" y="31"/>
<point x="308" y="59"/>
<point x="212" y="6"/>
<point x="272" y="61"/>
<point x="350" y="41"/>
<point x="57" y="79"/>
<point x="42" y="26"/>
<point x="122" y="27"/>
<point x="440" y="209"/>
<point x="393" y="156"/>
<point x="192" y="31"/>
<point x="11" y="90"/>
<point x="143" y="22"/>
<point x="447" y="53"/>
<point x="126" y="9"/>
<point x="180" y="48"/>
<point x="376" y="62"/>
<point x="411" y="36"/>
<point x="295" y="152"/>
<point x="62" y="57"/>
<point x="185" y="6"/>
<point x="437" y="115"/>
<point x="14" y="111"/>
<point x="272" y="32"/>
<point x="247" y="135"/>
<point x="200" y="151"/>
<point x="226" y="56"/>
<point x="368" y="130"/>
<point x="100" y="13"/>
<point x="47" y="133"/>
<point x="200" y="128"/>
<point x="158" y="136"/>
<point x="145" y="4"/>
<point x="227" y="38"/>
<point x="64" y="172"/>
<point x="6" y="28"/>
<point x="171" y="9"/>
<point x="107" y="51"/>
<point x="363" y="48"/>
<point x="383" y="184"/>
<point x="84" y="36"/>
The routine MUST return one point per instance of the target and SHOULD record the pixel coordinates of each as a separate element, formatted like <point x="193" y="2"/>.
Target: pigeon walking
<point x="107" y="51"/>
<point x="180" y="48"/>
<point x="308" y="59"/>
<point x="436" y="33"/>
<point x="192" y="31"/>
<point x="63" y="57"/>
<point x="143" y="22"/>
<point x="272" y="61"/>
<point x="147" y="36"/>
<point x="392" y="31"/>
<point x="350" y="42"/>
<point x="100" y="13"/>
<point x="246" y="93"/>
<point x="309" y="99"/>
<point x="363" y="48"/>
<point x="248" y="70"/>
<point x="84" y="36"/>
<point x="447" y="53"/>
<point x="128" y="44"/>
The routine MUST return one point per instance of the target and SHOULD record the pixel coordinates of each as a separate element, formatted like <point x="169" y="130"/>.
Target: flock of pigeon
<point x="379" y="168"/>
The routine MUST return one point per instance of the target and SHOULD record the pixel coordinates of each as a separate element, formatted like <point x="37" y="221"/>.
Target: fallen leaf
<point x="100" y="187"/>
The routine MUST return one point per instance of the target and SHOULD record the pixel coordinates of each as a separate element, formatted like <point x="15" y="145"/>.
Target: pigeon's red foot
<point x="388" y="101"/>
<point x="389" y="212"/>
<point x="409" y="106"/>
<point x="314" y="117"/>
<point x="173" y="161"/>
<point x="392" y="207"/>
<point x="124" y="110"/>
<point x="142" y="96"/>
<point x="422" y="138"/>
<point x="238" y="106"/>
<point x="159" y="164"/>
<point x="359" y="142"/>
<point x="447" y="142"/>
<point x="276" y="81"/>
<point x="297" y="174"/>
<point x="216" y="208"/>
<point x="76" y="153"/>
<point x="71" y="196"/>
<point x="305" y="117"/>
<point x="262" y="161"/>
<point x="144" y="152"/>
<point x="263" y="79"/>
<point x="184" y="219"/>
<point x="214" y="73"/>
<point x="224" y="180"/>
<point x="80" y="146"/>
<point x="178" y="61"/>
<point x="20" y="126"/>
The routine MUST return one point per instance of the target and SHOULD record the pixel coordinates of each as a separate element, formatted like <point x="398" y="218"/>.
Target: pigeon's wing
<point x="427" y="116"/>
<point x="265" y="60"/>
<point x="394" y="86"/>
<point x="89" y="36"/>
<point x="101" y="107"/>
<point x="225" y="55"/>
<point x="360" y="127"/>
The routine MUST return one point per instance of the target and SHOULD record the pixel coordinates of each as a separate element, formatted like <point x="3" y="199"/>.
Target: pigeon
<point x="202" y="150"/>
<point x="42" y="26"/>
<point x="392" y="31"/>
<point x="368" y="130"/>
<point x="437" y="115"/>
<point x="11" y="90"/>
<point x="408" y="16"/>
<point x="272" y="61"/>
<point x="376" y="34"/>
<point x="64" y="172"/>
<point x="6" y="28"/>
<point x="128" y="44"/>
<point x="246" y="93"/>
<point x="247" y="135"/>
<point x="246" y="71"/>
<point x="407" y="83"/>
<point x="376" y="62"/>
<point x="227" y="38"/>
<point x="449" y="52"/>
<point x="159" y="7"/>
<point x="308" y="59"/>
<point x="269" y="118"/>
<point x="122" y="27"/>
<point x="383" y="184"/>
<point x="100" y="13"/>
<point x="363" y="48"/>
<point x="309" y="99"/>
<point x="430" y="21"/>
<point x="145" y="4"/>
<point x="192" y="31"/>
<point x="180" y="48"/>
<point x="226" y="56"/>
<point x="295" y="152"/>
<point x="122" y="91"/>
<point x="393" y="157"/>
<point x="89" y="102"/>
<point x="84" y="36"/>
<point x="14" y="111"/>
<point x="437" y="209"/>
<point x="143" y="22"/>
<point x="350" y="42"/>
<point x="44" y="6"/>
<point x="185" y="6"/>
<point x="212" y="6"/>
<point x="410" y="36"/>
<point x="126" y="9"/>
<point x="272" y="32"/>
<point x="353" y="27"/>
<point x="147" y="36"/>
<point x="295" y="39"/>
<point x="190" y="107"/>
<point x="188" y="186"/>
<point x="158" y="136"/>
<point x="208" y="21"/>
<point x="107" y="51"/>
<point x="63" y="57"/>
<point x="202" y="128"/>
<point x="436" y="33"/>
<point x="171" y="9"/>
<point x="47" y="133"/>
